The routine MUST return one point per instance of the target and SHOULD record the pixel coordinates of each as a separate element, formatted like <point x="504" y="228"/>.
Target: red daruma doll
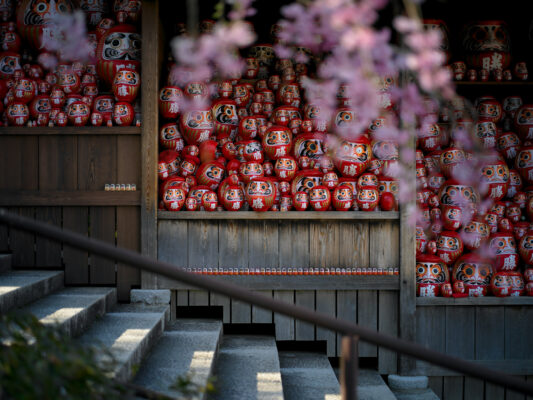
<point x="320" y="198"/>
<point x="260" y="193"/>
<point x="342" y="198"/>
<point x="431" y="274"/>
<point x="169" y="102"/>
<point x="123" y="114"/>
<point x="78" y="113"/>
<point x="126" y="85"/>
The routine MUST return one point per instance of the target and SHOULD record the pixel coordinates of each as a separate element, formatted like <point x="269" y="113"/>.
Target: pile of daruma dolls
<point x="35" y="93"/>
<point x="465" y="248"/>
<point x="260" y="147"/>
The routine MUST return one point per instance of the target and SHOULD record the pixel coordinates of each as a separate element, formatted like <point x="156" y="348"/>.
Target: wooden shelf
<point x="298" y="282"/>
<point x="69" y="198"/>
<point x="475" y="301"/>
<point x="70" y="130"/>
<point x="278" y="215"/>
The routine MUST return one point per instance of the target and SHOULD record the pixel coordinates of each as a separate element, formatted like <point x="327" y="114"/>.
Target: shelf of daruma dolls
<point x="298" y="282"/>
<point x="475" y="301"/>
<point x="281" y="215"/>
<point x="494" y="83"/>
<point x="70" y="130"/>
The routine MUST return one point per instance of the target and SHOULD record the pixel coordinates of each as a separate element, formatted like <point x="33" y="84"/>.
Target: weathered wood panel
<point x="452" y="387"/>
<point x="473" y="388"/>
<point x="326" y="303"/>
<point x="128" y="228"/>
<point x="232" y="244"/>
<point x="219" y="300"/>
<point x="202" y="244"/>
<point x="324" y="244"/>
<point x="22" y="244"/>
<point x="76" y="261"/>
<point x="304" y="330"/>
<point x="102" y="226"/>
<point x="388" y="323"/>
<point x="48" y="252"/>
<point x="346" y="309"/>
<point x="354" y="244"/>
<point x="241" y="313"/>
<point x="294" y="244"/>
<point x="198" y="298"/>
<point x="261" y="315"/>
<point x="367" y="316"/>
<point x="263" y="242"/>
<point x="284" y="325"/>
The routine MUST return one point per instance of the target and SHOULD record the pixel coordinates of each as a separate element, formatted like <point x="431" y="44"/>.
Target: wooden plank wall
<point x="495" y="336"/>
<point x="197" y="243"/>
<point x="63" y="163"/>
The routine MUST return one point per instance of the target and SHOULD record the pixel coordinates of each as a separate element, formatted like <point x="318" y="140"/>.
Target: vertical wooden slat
<point x="233" y="244"/>
<point x="284" y="325"/>
<point x="48" y="252"/>
<point x="326" y="303"/>
<point x="172" y="242"/>
<point x="388" y="324"/>
<point x="102" y="226"/>
<point x="511" y="395"/>
<point x="263" y="243"/>
<point x="305" y="330"/>
<point x="517" y="344"/>
<point x="494" y="392"/>
<point x="435" y="384"/>
<point x="452" y="388"/>
<point x="218" y="300"/>
<point x="241" y="313"/>
<point x="151" y="62"/>
<point x="460" y="332"/>
<point x="294" y="244"/>
<point x="346" y="309"/>
<point x="22" y="243"/>
<point x="324" y="247"/>
<point x="431" y="327"/>
<point x="58" y="170"/>
<point x="182" y="297"/>
<point x="128" y="237"/>
<point x="473" y="388"/>
<point x="198" y="298"/>
<point x="367" y="316"/>
<point x="19" y="162"/>
<point x="202" y="243"/>
<point x="173" y="305"/>
<point x="384" y="244"/>
<point x="76" y="261"/>
<point x="128" y="218"/>
<point x="490" y="346"/>
<point x="261" y="315"/>
<point x="354" y="245"/>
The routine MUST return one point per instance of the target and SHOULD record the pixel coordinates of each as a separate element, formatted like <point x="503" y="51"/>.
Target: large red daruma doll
<point x="260" y="193"/>
<point x="352" y="157"/>
<point x="118" y="48"/>
<point x="34" y="15"/>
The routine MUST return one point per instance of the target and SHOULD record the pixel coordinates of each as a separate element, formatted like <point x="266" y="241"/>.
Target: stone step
<point x="247" y="367"/>
<point x="73" y="309"/>
<point x="128" y="332"/>
<point x="307" y="375"/>
<point x="18" y="288"/>
<point x="5" y="262"/>
<point x="187" y="348"/>
<point x="371" y="386"/>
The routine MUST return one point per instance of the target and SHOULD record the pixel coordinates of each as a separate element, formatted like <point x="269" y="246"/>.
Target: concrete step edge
<point x="27" y="286"/>
<point x="73" y="310"/>
<point x="371" y="386"/>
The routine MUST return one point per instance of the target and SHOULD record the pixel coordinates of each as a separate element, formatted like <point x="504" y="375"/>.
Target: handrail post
<point x="349" y="367"/>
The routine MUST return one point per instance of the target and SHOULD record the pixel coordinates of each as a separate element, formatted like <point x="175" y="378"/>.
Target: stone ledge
<point x="150" y="297"/>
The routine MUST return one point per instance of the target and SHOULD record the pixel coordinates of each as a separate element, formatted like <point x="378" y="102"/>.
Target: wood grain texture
<point x="490" y="333"/>
<point x="198" y="298"/>
<point x="494" y="392"/>
<point x="304" y="330"/>
<point x="232" y="244"/>
<point x="263" y="241"/>
<point x="346" y="310"/>
<point x="58" y="163"/>
<point x="388" y="305"/>
<point x="354" y="244"/>
<point x="324" y="244"/>
<point x="284" y="325"/>
<point x="70" y="198"/>
<point x="326" y="303"/>
<point x="452" y="387"/>
<point x="76" y="261"/>
<point x="473" y="388"/>
<point x="69" y="130"/>
<point x="367" y="316"/>
<point x="219" y="300"/>
<point x="241" y="313"/>
<point x="261" y="315"/>
<point x="172" y="243"/>
<point x="48" y="252"/>
<point x="460" y="332"/>
<point x="19" y="163"/>
<point x="97" y="162"/>
<point x="384" y="244"/>
<point x="518" y="321"/>
<point x="152" y="63"/>
<point x="102" y="226"/>
<point x="128" y="237"/>
<point x="294" y="245"/>
<point x="203" y="248"/>
<point x="288" y="215"/>
<point x="22" y="244"/>
<point x="182" y="298"/>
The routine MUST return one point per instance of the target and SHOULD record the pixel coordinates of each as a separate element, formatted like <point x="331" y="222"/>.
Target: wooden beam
<point x="151" y="66"/>
<point x="289" y="215"/>
<point x="69" y="198"/>
<point x="70" y="130"/>
<point x="298" y="282"/>
<point x="474" y="301"/>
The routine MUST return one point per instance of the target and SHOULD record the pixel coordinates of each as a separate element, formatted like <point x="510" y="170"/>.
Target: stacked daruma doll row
<point x="260" y="146"/>
<point x="474" y="240"/>
<point x="43" y="84"/>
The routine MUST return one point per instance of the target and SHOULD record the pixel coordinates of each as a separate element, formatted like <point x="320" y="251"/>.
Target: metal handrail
<point x="301" y="313"/>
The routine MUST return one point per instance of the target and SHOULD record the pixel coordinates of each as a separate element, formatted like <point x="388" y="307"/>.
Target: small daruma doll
<point x="367" y="198"/>
<point x="174" y="198"/>
<point x="260" y="193"/>
<point x="197" y="126"/>
<point x="353" y="157"/>
<point x="449" y="246"/>
<point x="300" y="201"/>
<point x="126" y="85"/>
<point x="169" y="102"/>
<point x="320" y="198"/>
<point x="431" y="274"/>
<point x="475" y="233"/>
<point x="503" y="251"/>
<point x="526" y="248"/>
<point x="342" y="198"/>
<point x="210" y="174"/>
<point x="17" y="114"/>
<point x="285" y="168"/>
<point x="475" y="272"/>
<point x="232" y="198"/>
<point x="78" y="113"/>
<point x="123" y="114"/>
<point x="277" y="142"/>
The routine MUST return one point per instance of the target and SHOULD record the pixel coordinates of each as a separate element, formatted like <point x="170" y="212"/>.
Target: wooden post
<point x="349" y="367"/>
<point x="150" y="127"/>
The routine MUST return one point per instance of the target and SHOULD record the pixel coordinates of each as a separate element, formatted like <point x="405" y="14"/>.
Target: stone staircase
<point x="153" y="352"/>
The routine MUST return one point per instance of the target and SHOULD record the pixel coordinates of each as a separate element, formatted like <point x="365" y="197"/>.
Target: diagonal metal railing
<point x="352" y="331"/>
